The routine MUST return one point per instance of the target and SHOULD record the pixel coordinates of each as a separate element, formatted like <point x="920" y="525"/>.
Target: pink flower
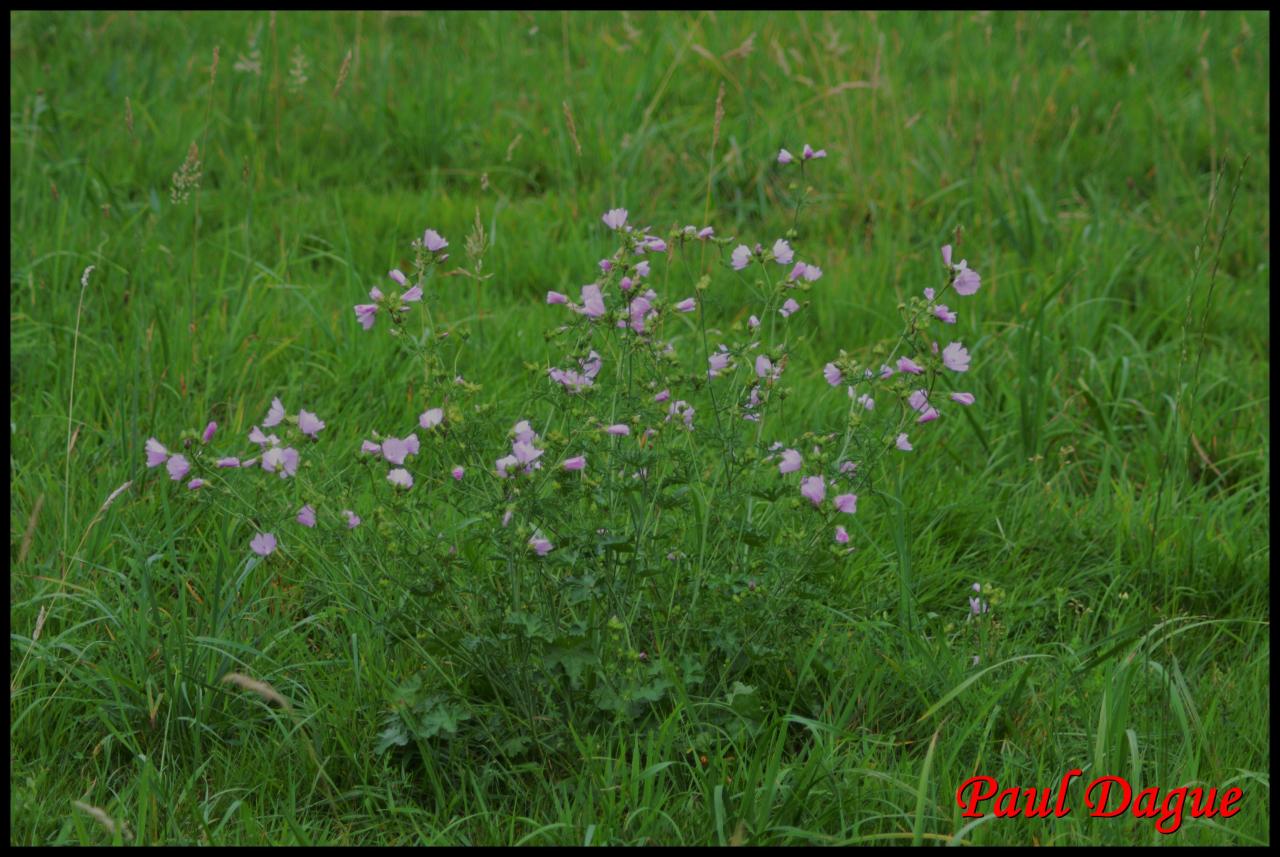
<point x="615" y="218"/>
<point x="557" y="298"/>
<point x="274" y="414"/>
<point x="946" y="255"/>
<point x="398" y="275"/>
<point x="309" y="424"/>
<point x="156" y="453"/>
<point x="813" y="488"/>
<point x="687" y="305"/>
<point x="625" y="284"/>
<point x="955" y="358"/>
<point x="208" y="431"/>
<point x="966" y="281"/>
<point x="847" y="503"/>
<point x="525" y="453"/>
<point x="790" y="462"/>
<point x="832" y="374"/>
<point x="642" y="269"/>
<point x="523" y="432"/>
<point x="177" y="467"/>
<point x="641" y="310"/>
<point x="411" y="443"/>
<point x="867" y="402"/>
<point x="375" y="294"/>
<point x="394" y="450"/>
<point x="763" y="366"/>
<point x="506" y="518"/>
<point x="457" y="473"/>
<point x="753" y="322"/>
<point x="928" y="294"/>
<point x="541" y="545"/>
<point x="741" y="257"/>
<point x="902" y="443"/>
<point x="848" y="467"/>
<point x="353" y="520"/>
<point x="789" y="307"/>
<point x="431" y="418"/>
<point x="962" y="398"/>
<point x="928" y="416"/>
<point x="280" y="459"/>
<point x="717" y="362"/>
<point x="370" y="446"/>
<point x="918" y="400"/>
<point x="504" y="464"/>
<point x="705" y="232"/>
<point x="576" y="463"/>
<point x="812" y="273"/>
<point x="365" y="314"/>
<point x="194" y="484"/>
<point x="400" y="478"/>
<point x="808" y="153"/>
<point x="256" y="436"/>
<point x="592" y="301"/>
<point x="663" y="396"/>
<point x="606" y="266"/>
<point x="263" y="544"/>
<point x="784" y="157"/>
<point x="906" y="364"/>
<point x="842" y="536"/>
<point x="433" y="241"/>
<point x="619" y="429"/>
<point x="228" y="462"/>
<point x="653" y="245"/>
<point x="782" y="252"/>
<point x="307" y="516"/>
<point x="413" y="295"/>
<point x="946" y="315"/>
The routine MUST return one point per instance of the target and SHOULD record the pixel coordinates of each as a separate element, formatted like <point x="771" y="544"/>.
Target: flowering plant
<point x="648" y="508"/>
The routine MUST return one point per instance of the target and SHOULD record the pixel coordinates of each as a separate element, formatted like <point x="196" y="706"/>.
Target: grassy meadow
<point x="1108" y="174"/>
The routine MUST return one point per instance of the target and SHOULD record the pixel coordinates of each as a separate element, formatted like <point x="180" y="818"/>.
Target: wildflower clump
<point x="653" y="515"/>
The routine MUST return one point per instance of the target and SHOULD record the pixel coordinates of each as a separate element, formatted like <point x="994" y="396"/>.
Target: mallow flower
<point x="433" y="241"/>
<point x="962" y="398"/>
<point x="615" y="218"/>
<point x="832" y="374"/>
<point x="274" y="414"/>
<point x="814" y="489"/>
<point x="177" y="467"/>
<point x="307" y="516"/>
<point x="790" y="462"/>
<point x="263" y="544"/>
<point x="784" y="157"/>
<point x="782" y="252"/>
<point x="156" y="453"/>
<point x="789" y="307"/>
<point x="955" y="357"/>
<point x="741" y="257"/>
<point x="847" y="503"/>
<point x="309" y="424"/>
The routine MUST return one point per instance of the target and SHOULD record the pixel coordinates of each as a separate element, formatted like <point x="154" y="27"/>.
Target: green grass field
<point x="1109" y="175"/>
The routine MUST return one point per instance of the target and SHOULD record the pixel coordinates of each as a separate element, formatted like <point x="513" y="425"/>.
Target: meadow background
<point x="1095" y="164"/>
